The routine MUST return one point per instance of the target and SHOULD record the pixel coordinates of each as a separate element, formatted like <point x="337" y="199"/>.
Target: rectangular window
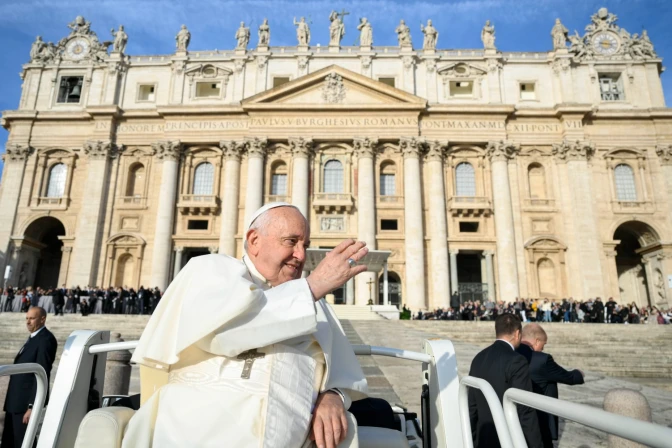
<point x="197" y="224"/>
<point x="208" y="89"/>
<point x="387" y="185"/>
<point x="280" y="80"/>
<point x="468" y="227"/>
<point x="611" y="88"/>
<point x="279" y="185"/>
<point x="70" y="89"/>
<point x="387" y="80"/>
<point x="389" y="224"/>
<point x="461" y="89"/>
<point x="527" y="91"/>
<point x="146" y="92"/>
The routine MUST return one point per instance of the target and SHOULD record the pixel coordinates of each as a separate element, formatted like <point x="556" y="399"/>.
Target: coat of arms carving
<point x="333" y="90"/>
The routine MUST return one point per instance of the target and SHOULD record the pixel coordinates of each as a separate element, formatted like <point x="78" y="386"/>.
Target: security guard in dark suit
<point x="40" y="348"/>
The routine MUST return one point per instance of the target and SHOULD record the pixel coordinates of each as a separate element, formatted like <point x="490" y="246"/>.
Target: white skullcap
<point x="266" y="208"/>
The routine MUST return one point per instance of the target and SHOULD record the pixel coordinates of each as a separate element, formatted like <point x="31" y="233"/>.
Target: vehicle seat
<point x="372" y="437"/>
<point x="103" y="428"/>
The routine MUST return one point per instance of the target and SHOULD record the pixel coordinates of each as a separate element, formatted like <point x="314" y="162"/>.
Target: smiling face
<point x="277" y="248"/>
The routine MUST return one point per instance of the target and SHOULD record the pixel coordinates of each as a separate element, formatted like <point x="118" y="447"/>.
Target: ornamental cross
<point x="343" y="13"/>
<point x="249" y="357"/>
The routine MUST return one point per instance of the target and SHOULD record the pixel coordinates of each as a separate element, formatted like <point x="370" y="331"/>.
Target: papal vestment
<point x="217" y="312"/>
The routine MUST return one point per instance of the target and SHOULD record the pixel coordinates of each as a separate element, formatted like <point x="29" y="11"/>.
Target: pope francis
<point x="244" y="353"/>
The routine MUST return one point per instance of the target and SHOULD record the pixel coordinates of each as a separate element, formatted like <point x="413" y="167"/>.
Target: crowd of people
<point x="545" y="310"/>
<point x="88" y="300"/>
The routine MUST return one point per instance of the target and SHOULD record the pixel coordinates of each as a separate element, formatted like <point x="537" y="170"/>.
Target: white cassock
<point x="215" y="309"/>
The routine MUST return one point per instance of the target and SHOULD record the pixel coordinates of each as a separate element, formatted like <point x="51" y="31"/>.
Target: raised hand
<point x="335" y="270"/>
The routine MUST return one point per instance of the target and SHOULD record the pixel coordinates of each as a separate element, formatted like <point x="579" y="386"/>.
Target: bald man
<point x="40" y="348"/>
<point x="545" y="374"/>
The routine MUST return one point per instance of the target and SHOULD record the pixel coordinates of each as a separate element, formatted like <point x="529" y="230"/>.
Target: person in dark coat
<point x="545" y="374"/>
<point x="59" y="301"/>
<point x="40" y="348"/>
<point x="455" y="301"/>
<point x="503" y="368"/>
<point x="10" y="299"/>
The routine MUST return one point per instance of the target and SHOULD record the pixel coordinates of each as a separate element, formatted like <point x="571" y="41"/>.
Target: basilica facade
<point x="486" y="173"/>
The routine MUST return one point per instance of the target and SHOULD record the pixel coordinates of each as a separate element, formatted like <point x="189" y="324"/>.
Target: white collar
<point x="510" y="344"/>
<point x="258" y="279"/>
<point x="34" y="333"/>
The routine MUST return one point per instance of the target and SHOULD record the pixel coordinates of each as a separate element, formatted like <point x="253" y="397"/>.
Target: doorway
<point x="470" y="284"/>
<point x="633" y="281"/>
<point x="41" y="266"/>
<point x="394" y="289"/>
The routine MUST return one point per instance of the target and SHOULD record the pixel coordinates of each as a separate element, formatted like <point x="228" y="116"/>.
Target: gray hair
<point x="261" y="222"/>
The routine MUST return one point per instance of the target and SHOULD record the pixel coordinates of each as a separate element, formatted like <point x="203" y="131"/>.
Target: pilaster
<point x="665" y="156"/>
<point x="254" y="193"/>
<point x="301" y="149"/>
<point x="233" y="151"/>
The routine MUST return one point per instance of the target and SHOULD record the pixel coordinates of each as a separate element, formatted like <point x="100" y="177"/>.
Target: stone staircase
<point x="354" y="312"/>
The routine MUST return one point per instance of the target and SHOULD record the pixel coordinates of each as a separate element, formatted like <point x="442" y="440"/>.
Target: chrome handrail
<point x="495" y="409"/>
<point x="40" y="396"/>
<point x="391" y="352"/>
<point x="638" y="431"/>
<point x="113" y="346"/>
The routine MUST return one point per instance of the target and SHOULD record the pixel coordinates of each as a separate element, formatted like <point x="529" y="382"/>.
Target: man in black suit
<point x="503" y="368"/>
<point x="40" y="348"/>
<point x="545" y="374"/>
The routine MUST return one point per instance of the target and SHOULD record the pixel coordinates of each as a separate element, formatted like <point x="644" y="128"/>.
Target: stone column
<point x="453" y="272"/>
<point x="438" y="226"/>
<point x="254" y="194"/>
<point x="170" y="153"/>
<point x="586" y="252"/>
<point x="499" y="154"/>
<point x="88" y="242"/>
<point x="117" y="370"/>
<point x="12" y="183"/>
<point x="665" y="154"/>
<point x="350" y="292"/>
<point x="411" y="148"/>
<point x="490" y="274"/>
<point x="366" y="212"/>
<point x="178" y="260"/>
<point x="301" y="151"/>
<point x="229" y="218"/>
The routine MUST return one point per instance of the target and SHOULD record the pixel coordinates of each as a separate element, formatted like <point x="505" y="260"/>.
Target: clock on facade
<point x="77" y="48"/>
<point x="605" y="43"/>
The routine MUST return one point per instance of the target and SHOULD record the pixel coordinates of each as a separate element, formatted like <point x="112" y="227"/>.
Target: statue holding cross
<point x="337" y="27"/>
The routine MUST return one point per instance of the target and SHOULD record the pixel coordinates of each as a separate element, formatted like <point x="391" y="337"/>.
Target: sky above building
<point x="521" y="25"/>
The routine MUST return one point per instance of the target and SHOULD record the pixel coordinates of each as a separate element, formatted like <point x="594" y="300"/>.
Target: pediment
<point x="334" y="87"/>
<point x="461" y="70"/>
<point x="208" y="71"/>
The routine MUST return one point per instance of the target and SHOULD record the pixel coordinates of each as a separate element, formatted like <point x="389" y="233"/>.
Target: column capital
<point x="256" y="147"/>
<point x="301" y="147"/>
<point x="365" y="147"/>
<point x="168" y="149"/>
<point x="502" y="150"/>
<point x="454" y="252"/>
<point x="569" y="150"/>
<point x="665" y="154"/>
<point x="411" y="147"/>
<point x="231" y="149"/>
<point x="178" y="249"/>
<point x="488" y="253"/>
<point x="436" y="150"/>
<point x="101" y="149"/>
<point x="18" y="153"/>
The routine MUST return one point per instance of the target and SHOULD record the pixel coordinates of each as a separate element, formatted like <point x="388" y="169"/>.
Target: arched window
<point x="624" y="178"/>
<point x="204" y="176"/>
<point x="333" y="177"/>
<point x="279" y="179"/>
<point x="388" y="185"/>
<point x="465" y="180"/>
<point x="537" y="181"/>
<point x="56" y="183"/>
<point x="136" y="180"/>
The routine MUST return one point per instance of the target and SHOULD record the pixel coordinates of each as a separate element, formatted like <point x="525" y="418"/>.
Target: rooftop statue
<point x="37" y="49"/>
<point x="243" y="37"/>
<point x="182" y="39"/>
<point x="488" y="36"/>
<point x="80" y="26"/>
<point x="302" y="31"/>
<point x="264" y="34"/>
<point x="602" y="20"/>
<point x="366" y="32"/>
<point x="578" y="47"/>
<point x="559" y="33"/>
<point x="431" y="36"/>
<point x="404" y="34"/>
<point x="120" y="40"/>
<point x="337" y="28"/>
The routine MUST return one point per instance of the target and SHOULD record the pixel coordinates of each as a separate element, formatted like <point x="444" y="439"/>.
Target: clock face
<point x="605" y="43"/>
<point x="77" y="48"/>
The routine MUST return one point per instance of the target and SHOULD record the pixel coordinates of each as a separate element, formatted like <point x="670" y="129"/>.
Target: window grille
<point x="204" y="177"/>
<point x="279" y="185"/>
<point x="465" y="180"/>
<point x="610" y="89"/>
<point x="625" y="183"/>
<point x="333" y="177"/>
<point x="387" y="185"/>
<point x="56" y="184"/>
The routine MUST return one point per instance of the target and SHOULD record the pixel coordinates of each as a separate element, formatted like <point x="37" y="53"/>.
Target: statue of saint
<point x="120" y="40"/>
<point x="36" y="50"/>
<point x="488" y="36"/>
<point x="404" y="34"/>
<point x="302" y="31"/>
<point x="182" y="39"/>
<point x="336" y="29"/>
<point x="243" y="37"/>
<point x="647" y="45"/>
<point x="264" y="34"/>
<point x="577" y="46"/>
<point x="559" y="33"/>
<point x="80" y="26"/>
<point x="366" y="32"/>
<point x="431" y="36"/>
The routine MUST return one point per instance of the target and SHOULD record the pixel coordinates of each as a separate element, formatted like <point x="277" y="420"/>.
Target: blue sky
<point x="521" y="25"/>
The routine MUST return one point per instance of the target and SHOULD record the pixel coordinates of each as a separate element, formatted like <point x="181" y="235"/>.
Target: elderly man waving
<point x="244" y="353"/>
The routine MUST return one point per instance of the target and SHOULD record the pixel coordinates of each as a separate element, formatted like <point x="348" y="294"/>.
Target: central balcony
<point x="469" y="206"/>
<point x="198" y="204"/>
<point x="332" y="202"/>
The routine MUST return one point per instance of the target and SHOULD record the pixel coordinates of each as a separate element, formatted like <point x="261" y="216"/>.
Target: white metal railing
<point x="40" y="396"/>
<point x="392" y="352"/>
<point x="495" y="409"/>
<point x="628" y="428"/>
